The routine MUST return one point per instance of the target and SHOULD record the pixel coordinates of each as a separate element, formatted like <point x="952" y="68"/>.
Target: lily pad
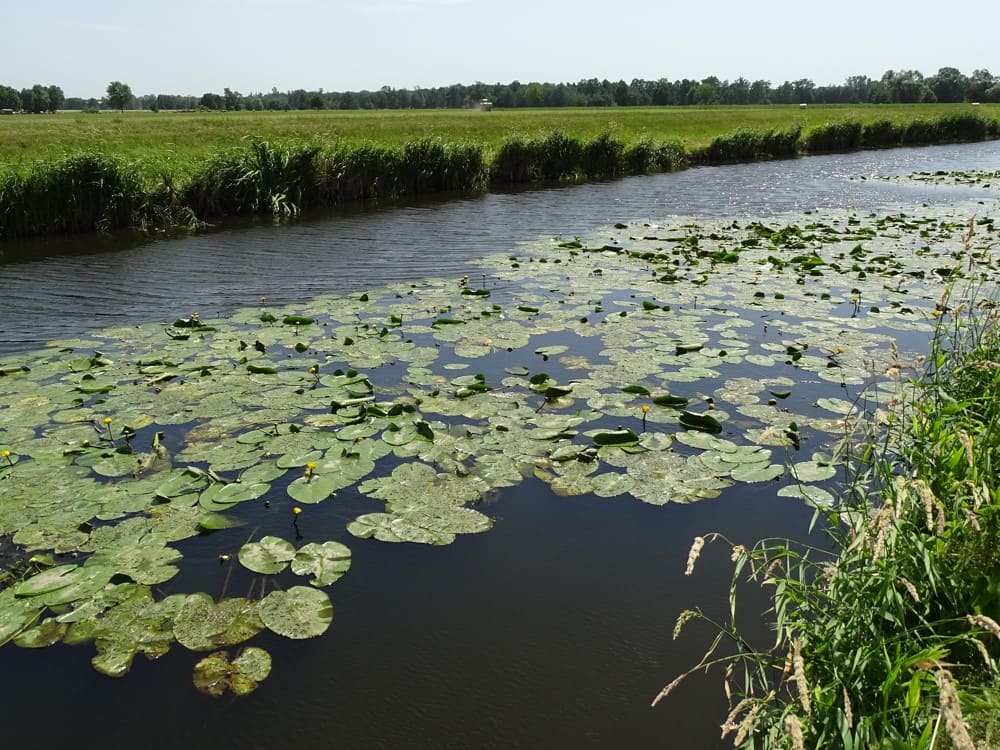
<point x="301" y="612"/>
<point x="270" y="555"/>
<point x="202" y="625"/>
<point x="215" y="674"/>
<point x="326" y="562"/>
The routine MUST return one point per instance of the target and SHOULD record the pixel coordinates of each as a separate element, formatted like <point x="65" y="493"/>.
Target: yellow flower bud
<point x="107" y="420"/>
<point x="645" y="408"/>
<point x="4" y="454"/>
<point x="296" y="510"/>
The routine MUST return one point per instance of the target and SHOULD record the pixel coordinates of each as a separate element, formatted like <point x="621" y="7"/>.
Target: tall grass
<point x="84" y="193"/>
<point x="888" y="637"/>
<point x="750" y="145"/>
<point x="93" y="191"/>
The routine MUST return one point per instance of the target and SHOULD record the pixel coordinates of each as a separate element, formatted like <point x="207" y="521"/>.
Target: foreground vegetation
<point x="892" y="638"/>
<point x="162" y="173"/>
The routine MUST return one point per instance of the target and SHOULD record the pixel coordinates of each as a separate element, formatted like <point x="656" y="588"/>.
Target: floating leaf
<point x="300" y="612"/>
<point x="326" y="562"/>
<point x="701" y="422"/>
<point x="44" y="634"/>
<point x="270" y="555"/>
<point x="757" y="472"/>
<point x="616" y="437"/>
<point x="202" y="625"/>
<point x="215" y="674"/>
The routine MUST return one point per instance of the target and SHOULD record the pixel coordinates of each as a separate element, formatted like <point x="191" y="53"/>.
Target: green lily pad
<point x="270" y="555"/>
<point x="326" y="562"/>
<point x="202" y="625"/>
<point x="215" y="674"/>
<point x="41" y="635"/>
<point x="301" y="612"/>
<point x="318" y="487"/>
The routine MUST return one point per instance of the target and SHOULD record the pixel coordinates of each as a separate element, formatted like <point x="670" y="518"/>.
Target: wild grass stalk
<point x="886" y="635"/>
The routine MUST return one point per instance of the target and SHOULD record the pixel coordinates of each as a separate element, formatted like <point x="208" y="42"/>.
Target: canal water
<point x="552" y="630"/>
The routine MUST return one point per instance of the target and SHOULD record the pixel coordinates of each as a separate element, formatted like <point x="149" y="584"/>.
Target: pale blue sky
<point x="194" y="46"/>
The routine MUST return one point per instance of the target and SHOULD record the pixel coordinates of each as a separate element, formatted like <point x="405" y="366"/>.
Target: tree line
<point x="37" y="99"/>
<point x="895" y="86"/>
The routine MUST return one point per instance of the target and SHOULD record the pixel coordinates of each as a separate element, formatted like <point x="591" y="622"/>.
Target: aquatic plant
<point x="215" y="423"/>
<point x="886" y="633"/>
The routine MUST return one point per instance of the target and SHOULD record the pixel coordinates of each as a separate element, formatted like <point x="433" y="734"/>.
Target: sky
<point x="196" y="46"/>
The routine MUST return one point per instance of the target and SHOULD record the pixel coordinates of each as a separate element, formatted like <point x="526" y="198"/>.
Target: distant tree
<point x="9" y="98"/>
<point x="56" y="98"/>
<point x="949" y="85"/>
<point x="858" y="89"/>
<point x="119" y="95"/>
<point x="760" y="92"/>
<point x="233" y="99"/>
<point x="39" y="99"/>
<point x="980" y="82"/>
<point x="803" y="89"/>
<point x="316" y="101"/>
<point x="907" y="87"/>
<point x="706" y="92"/>
<point x="212" y="101"/>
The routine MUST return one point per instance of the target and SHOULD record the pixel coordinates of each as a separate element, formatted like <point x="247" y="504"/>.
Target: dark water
<point x="553" y="630"/>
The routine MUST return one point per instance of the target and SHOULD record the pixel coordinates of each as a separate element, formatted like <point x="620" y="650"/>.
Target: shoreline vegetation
<point x="887" y="636"/>
<point x="167" y="181"/>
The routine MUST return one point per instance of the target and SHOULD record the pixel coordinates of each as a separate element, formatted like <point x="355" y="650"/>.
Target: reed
<point x="833" y="137"/>
<point x="750" y="145"/>
<point x="82" y="193"/>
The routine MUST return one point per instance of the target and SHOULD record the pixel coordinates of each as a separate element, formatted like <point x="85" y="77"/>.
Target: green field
<point x="178" y="140"/>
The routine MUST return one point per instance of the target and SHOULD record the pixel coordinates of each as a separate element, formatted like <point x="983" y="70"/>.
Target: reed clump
<point x="888" y="635"/>
<point x="81" y="193"/>
<point x="833" y="137"/>
<point x="745" y="145"/>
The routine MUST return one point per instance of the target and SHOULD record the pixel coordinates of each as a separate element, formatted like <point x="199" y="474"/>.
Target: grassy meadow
<point x="77" y="172"/>
<point x="178" y="140"/>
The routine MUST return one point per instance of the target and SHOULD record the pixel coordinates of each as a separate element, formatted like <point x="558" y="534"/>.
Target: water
<point x="553" y="629"/>
<point x="55" y="288"/>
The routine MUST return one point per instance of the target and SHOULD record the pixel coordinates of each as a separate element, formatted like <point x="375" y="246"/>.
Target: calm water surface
<point x="553" y="630"/>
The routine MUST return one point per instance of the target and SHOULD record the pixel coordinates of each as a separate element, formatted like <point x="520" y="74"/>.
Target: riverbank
<point x="891" y="639"/>
<point x="99" y="190"/>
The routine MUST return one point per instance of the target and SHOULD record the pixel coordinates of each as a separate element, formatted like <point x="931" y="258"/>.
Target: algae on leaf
<point x="300" y="612"/>
<point x="215" y="674"/>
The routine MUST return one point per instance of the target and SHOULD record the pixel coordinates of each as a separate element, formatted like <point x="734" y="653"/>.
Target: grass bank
<point x="78" y="173"/>
<point x="891" y="639"/>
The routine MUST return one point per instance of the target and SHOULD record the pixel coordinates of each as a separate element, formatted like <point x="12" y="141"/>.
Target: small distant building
<point x="803" y="105"/>
<point x="6" y="111"/>
<point x="485" y="105"/>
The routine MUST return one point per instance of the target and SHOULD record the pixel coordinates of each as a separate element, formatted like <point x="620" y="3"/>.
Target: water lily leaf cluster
<point x="661" y="363"/>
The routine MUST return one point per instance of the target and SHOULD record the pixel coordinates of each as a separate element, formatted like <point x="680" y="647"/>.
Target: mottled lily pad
<point x="270" y="555"/>
<point x="301" y="612"/>
<point x="215" y="674"/>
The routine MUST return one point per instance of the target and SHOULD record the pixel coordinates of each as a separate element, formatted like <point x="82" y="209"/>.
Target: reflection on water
<point x="552" y="630"/>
